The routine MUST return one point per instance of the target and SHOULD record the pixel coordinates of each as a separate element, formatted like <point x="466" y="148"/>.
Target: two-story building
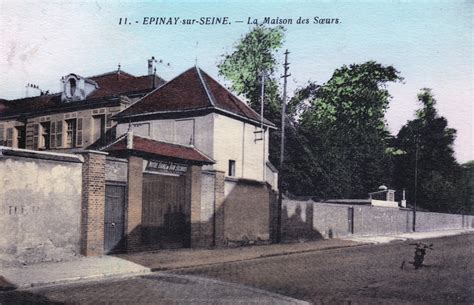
<point x="194" y="109"/>
<point x="76" y="118"/>
<point x="194" y="113"/>
<point x="182" y="163"/>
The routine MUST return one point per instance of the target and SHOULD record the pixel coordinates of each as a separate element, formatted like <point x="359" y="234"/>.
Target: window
<point x="21" y="136"/>
<point x="52" y="141"/>
<point x="99" y="129"/>
<point x="44" y="140"/>
<point x="36" y="128"/>
<point x="59" y="134"/>
<point x="231" y="172"/>
<point x="109" y="120"/>
<point x="71" y="133"/>
<point x="9" y="137"/>
<point x="72" y="86"/>
<point x="79" y="132"/>
<point x="2" y="132"/>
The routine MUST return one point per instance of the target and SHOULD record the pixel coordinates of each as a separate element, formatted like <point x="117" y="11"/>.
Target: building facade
<point x="194" y="109"/>
<point x="78" y="117"/>
<point x="163" y="165"/>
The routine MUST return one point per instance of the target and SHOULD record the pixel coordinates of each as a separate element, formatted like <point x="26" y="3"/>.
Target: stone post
<point x="93" y="203"/>
<point x="134" y="203"/>
<point x="193" y="197"/>
<point x="219" y="184"/>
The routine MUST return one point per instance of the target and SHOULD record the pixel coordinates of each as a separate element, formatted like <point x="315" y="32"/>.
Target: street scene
<point x="240" y="152"/>
<point x="345" y="274"/>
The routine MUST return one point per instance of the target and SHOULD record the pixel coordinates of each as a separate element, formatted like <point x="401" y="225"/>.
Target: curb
<point x="262" y="256"/>
<point x="405" y="237"/>
<point x="79" y="279"/>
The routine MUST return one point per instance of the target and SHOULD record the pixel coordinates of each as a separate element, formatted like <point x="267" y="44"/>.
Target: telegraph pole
<point x="262" y="101"/>
<point x="282" y="146"/>
<point x="416" y="184"/>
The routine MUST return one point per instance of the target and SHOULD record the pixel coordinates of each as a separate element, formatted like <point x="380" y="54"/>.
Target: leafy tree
<point x="253" y="54"/>
<point x="344" y="134"/>
<point x="428" y="145"/>
<point x="336" y="136"/>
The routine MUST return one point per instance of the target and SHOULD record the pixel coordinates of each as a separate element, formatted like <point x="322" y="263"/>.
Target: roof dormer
<point x="76" y="88"/>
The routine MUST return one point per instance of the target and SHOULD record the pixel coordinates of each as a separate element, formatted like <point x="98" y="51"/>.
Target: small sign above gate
<point x="167" y="167"/>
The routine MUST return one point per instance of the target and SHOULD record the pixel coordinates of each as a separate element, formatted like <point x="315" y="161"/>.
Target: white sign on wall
<point x="169" y="167"/>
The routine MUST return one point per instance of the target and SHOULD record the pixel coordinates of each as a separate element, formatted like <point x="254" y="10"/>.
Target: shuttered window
<point x="79" y="132"/>
<point x="10" y="137"/>
<point x="52" y="141"/>
<point x="59" y="134"/>
<point x="36" y="136"/>
<point x="2" y="131"/>
<point x="71" y="133"/>
<point x="45" y="135"/>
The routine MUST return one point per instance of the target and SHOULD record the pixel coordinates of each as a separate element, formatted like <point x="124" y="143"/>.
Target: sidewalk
<point x="80" y="269"/>
<point x="406" y="236"/>
<point x="95" y="268"/>
<point x="185" y="258"/>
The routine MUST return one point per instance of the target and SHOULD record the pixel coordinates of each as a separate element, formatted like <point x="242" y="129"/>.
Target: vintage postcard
<point x="236" y="152"/>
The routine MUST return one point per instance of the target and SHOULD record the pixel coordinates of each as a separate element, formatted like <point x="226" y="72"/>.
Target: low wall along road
<point x="312" y="220"/>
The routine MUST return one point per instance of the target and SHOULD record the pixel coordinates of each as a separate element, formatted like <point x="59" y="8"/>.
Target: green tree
<point x="428" y="145"/>
<point x="254" y="53"/>
<point x="344" y="134"/>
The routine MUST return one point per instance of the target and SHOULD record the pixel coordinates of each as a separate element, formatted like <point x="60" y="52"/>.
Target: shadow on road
<point x="9" y="295"/>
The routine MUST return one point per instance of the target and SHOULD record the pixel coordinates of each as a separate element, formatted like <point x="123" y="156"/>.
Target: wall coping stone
<point x="211" y="172"/>
<point x="245" y="180"/>
<point x="90" y="151"/>
<point x="328" y="204"/>
<point x="34" y="154"/>
<point x="110" y="158"/>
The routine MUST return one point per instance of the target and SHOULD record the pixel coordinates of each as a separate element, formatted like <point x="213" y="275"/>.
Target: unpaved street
<point x="369" y="274"/>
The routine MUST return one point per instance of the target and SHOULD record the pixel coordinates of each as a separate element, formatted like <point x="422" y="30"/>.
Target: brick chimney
<point x="151" y="65"/>
<point x="32" y="90"/>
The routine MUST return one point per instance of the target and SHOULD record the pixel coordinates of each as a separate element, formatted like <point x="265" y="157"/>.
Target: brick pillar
<point x="134" y="200"/>
<point x="193" y="196"/>
<point x="219" y="184"/>
<point x="93" y="203"/>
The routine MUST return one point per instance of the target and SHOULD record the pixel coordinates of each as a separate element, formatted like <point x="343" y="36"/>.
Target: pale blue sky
<point x="431" y="43"/>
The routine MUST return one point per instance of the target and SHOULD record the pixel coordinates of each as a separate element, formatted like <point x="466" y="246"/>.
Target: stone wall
<point x="247" y="210"/>
<point x="426" y="221"/>
<point x="310" y="220"/>
<point x="40" y="206"/>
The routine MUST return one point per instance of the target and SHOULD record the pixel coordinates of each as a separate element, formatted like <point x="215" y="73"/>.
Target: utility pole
<point x="262" y="101"/>
<point x="416" y="183"/>
<point x="282" y="146"/>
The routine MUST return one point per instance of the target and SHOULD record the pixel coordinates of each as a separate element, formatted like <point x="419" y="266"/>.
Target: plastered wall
<point x="40" y="206"/>
<point x="220" y="137"/>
